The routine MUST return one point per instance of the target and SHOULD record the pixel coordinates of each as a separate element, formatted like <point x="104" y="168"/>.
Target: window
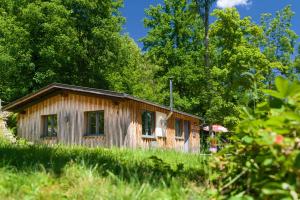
<point x="95" y="123"/>
<point x="148" y="123"/>
<point x="50" y="125"/>
<point x="178" y="127"/>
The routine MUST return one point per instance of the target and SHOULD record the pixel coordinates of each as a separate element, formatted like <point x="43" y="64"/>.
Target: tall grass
<point x="81" y="182"/>
<point x="41" y="172"/>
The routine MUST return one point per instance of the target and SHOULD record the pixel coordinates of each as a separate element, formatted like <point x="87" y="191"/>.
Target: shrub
<point x="11" y="122"/>
<point x="265" y="155"/>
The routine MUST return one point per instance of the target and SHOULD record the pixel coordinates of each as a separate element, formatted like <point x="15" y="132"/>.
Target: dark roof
<point x="43" y="92"/>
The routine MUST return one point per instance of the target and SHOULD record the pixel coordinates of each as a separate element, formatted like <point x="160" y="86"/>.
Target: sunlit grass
<point x="40" y="172"/>
<point x="81" y="182"/>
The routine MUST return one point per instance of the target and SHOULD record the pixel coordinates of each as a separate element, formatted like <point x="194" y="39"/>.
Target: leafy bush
<point x="11" y="122"/>
<point x="265" y="155"/>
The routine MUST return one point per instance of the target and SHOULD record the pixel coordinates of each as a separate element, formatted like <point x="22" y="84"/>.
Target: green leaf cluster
<point x="72" y="41"/>
<point x="174" y="42"/>
<point x="265" y="154"/>
<point x="216" y="68"/>
<point x="241" y="64"/>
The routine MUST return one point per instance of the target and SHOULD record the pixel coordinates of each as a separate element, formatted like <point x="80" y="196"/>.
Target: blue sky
<point x="134" y="12"/>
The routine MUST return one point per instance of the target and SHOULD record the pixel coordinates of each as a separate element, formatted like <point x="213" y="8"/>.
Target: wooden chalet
<point x="76" y="115"/>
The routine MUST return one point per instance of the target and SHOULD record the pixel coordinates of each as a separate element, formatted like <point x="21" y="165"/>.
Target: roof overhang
<point x="57" y="88"/>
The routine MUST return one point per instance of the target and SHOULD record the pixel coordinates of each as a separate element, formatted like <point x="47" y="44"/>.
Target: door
<point x="186" y="128"/>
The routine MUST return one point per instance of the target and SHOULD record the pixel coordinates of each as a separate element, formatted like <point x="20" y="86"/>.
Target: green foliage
<point x="238" y="71"/>
<point x="11" y="122"/>
<point x="36" y="171"/>
<point x="147" y="165"/>
<point x="174" y="42"/>
<point x="238" y="66"/>
<point x="73" y="41"/>
<point x="296" y="64"/>
<point x="280" y="40"/>
<point x="83" y="182"/>
<point x="81" y="43"/>
<point x="279" y="44"/>
<point x="137" y="77"/>
<point x="264" y="161"/>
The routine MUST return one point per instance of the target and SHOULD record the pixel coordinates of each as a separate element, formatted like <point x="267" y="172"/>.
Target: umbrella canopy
<point x="216" y="128"/>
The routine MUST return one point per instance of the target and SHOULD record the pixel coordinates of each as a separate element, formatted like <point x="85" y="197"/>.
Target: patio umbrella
<point x="216" y="128"/>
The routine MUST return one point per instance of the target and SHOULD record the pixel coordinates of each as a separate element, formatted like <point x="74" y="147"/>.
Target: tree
<point x="296" y="63"/>
<point x="15" y="57"/>
<point x="279" y="41"/>
<point x="72" y="41"/>
<point x="236" y="53"/>
<point x="137" y="76"/>
<point x="203" y="7"/>
<point x="174" y="43"/>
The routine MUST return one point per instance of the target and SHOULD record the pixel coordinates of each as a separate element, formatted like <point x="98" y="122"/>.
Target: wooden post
<point x="171" y="94"/>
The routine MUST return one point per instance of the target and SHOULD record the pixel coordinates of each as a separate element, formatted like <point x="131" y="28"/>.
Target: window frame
<point x="99" y="131"/>
<point x="53" y="125"/>
<point x="180" y="126"/>
<point x="152" y="129"/>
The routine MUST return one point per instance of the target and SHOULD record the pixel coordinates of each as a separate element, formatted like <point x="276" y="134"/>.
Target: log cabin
<point x="74" y="115"/>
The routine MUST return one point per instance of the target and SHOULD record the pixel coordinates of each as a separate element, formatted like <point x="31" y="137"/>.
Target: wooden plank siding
<point x="170" y="141"/>
<point x="122" y="123"/>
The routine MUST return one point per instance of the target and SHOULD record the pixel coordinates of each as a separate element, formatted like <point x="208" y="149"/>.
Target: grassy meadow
<point x="60" y="172"/>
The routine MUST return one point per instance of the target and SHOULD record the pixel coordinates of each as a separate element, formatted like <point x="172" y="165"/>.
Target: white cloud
<point x="232" y="3"/>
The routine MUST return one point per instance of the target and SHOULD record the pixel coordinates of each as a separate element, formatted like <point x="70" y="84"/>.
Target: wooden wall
<point x="122" y="124"/>
<point x="170" y="141"/>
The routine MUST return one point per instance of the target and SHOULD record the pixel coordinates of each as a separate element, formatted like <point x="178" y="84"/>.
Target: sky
<point x="134" y="12"/>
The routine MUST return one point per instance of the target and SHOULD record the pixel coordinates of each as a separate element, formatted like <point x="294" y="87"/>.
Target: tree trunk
<point x="206" y="26"/>
<point x="203" y="7"/>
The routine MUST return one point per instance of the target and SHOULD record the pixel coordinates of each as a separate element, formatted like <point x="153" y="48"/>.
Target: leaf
<point x="245" y="113"/>
<point x="282" y="85"/>
<point x="247" y="139"/>
<point x="264" y="106"/>
<point x="268" y="161"/>
<point x="297" y="162"/>
<point x="273" y="93"/>
<point x="275" y="121"/>
<point x="294" y="89"/>
<point x="285" y="89"/>
<point x="291" y="116"/>
<point x="274" y="188"/>
<point x="241" y="196"/>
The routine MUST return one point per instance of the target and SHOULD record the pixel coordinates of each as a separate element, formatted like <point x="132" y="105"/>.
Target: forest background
<point x="218" y="67"/>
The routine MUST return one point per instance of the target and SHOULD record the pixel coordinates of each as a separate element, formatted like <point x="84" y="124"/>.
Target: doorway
<point x="186" y="128"/>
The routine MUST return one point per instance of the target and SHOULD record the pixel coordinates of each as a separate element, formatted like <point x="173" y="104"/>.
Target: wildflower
<point x="279" y="139"/>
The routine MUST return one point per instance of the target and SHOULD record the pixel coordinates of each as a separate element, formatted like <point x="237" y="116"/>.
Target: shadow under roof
<point x="15" y="105"/>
